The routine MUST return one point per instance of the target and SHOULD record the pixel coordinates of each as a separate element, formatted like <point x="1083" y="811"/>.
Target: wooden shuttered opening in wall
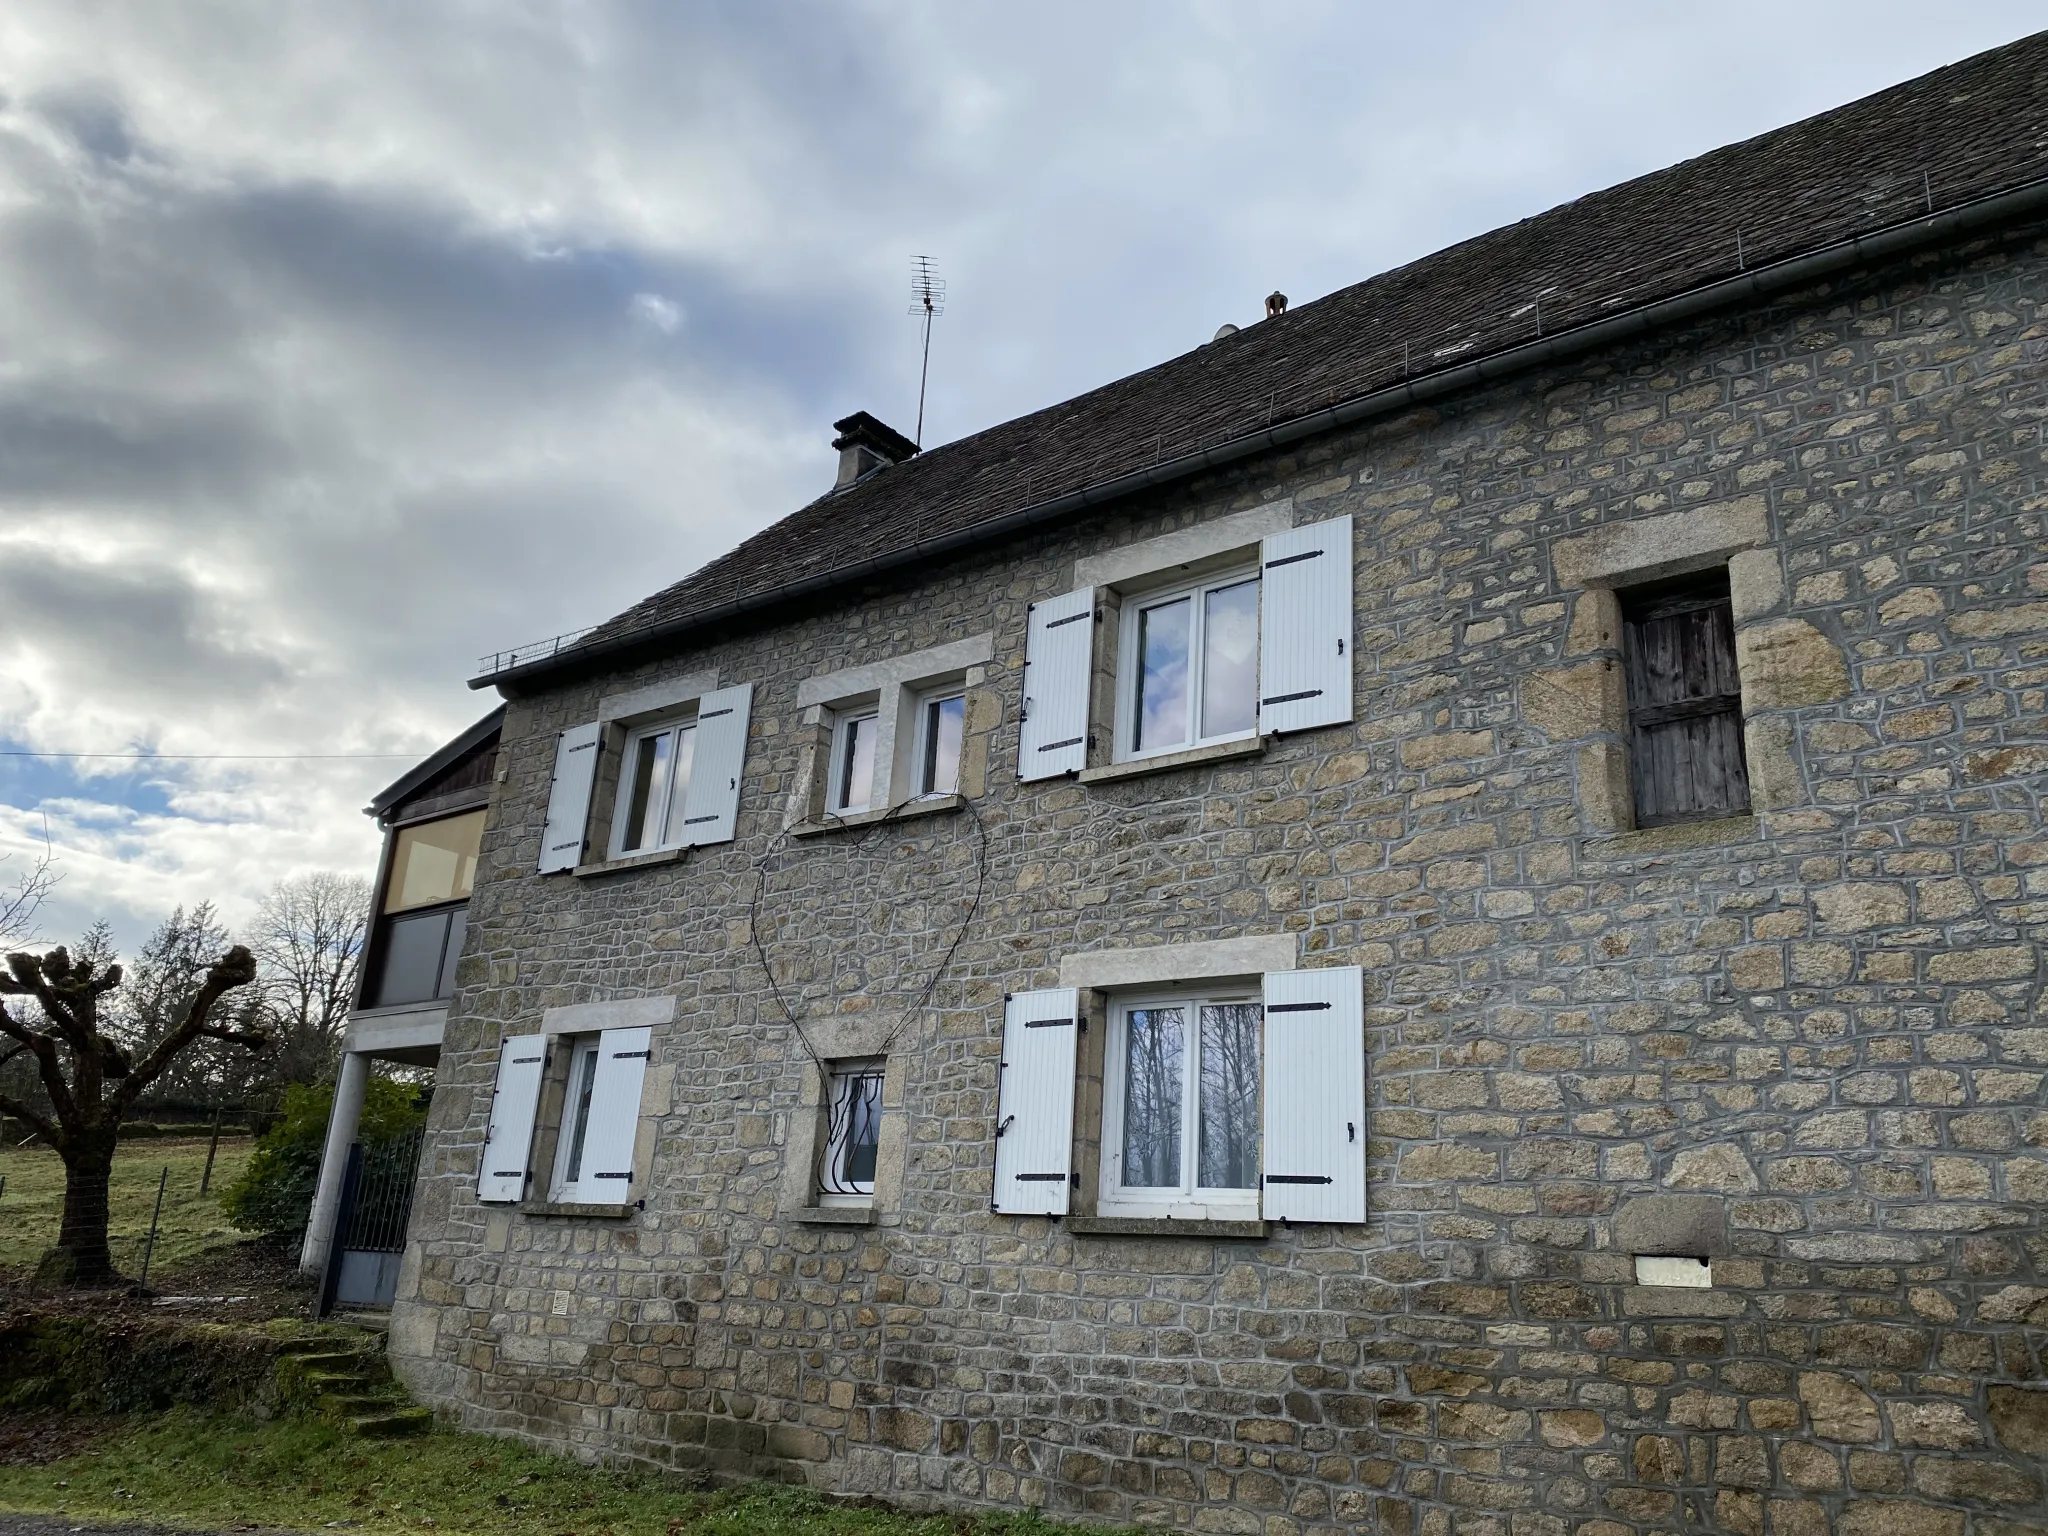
<point x="1685" y="702"/>
<point x="1035" y="1103"/>
<point x="1305" y="633"/>
<point x="1059" y="654"/>
<point x="614" y="1121"/>
<point x="711" y="805"/>
<point x="1314" y="1132"/>
<point x="501" y="1176"/>
<point x="561" y="840"/>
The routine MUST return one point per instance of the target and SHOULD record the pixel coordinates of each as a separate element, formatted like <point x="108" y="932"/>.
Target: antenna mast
<point x="927" y="298"/>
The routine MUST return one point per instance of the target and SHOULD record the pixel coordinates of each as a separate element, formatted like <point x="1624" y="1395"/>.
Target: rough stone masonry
<point x="1808" y="1041"/>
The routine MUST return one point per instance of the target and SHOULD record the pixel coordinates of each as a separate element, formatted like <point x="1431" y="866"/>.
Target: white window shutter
<point x="1059" y="655"/>
<point x="1315" y="1096"/>
<point x="1305" y="634"/>
<point x="561" y="840"/>
<point x="607" y="1171"/>
<point x="711" y="809"/>
<point x="502" y="1175"/>
<point x="1035" y="1104"/>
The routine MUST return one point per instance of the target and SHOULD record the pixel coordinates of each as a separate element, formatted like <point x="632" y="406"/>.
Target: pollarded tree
<point x="93" y="1081"/>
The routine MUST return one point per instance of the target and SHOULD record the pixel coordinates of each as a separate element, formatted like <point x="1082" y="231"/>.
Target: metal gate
<point x="369" y="1228"/>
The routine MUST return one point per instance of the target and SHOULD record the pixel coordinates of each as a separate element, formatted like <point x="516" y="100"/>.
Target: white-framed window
<point x="600" y="1116"/>
<point x="935" y="754"/>
<point x="1188" y="666"/>
<point x="853" y="1134"/>
<point x="574" y="1138"/>
<point x="654" y="787"/>
<point x="1181" y="1105"/>
<point x="854" y="734"/>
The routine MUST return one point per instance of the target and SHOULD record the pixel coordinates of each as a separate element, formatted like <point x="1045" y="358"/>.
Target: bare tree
<point x="308" y="939"/>
<point x="19" y="902"/>
<point x="93" y="1080"/>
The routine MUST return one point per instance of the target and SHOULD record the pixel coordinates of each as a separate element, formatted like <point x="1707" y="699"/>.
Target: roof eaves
<point x="475" y="736"/>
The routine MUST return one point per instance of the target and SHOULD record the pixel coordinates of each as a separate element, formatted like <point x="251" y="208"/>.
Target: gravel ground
<point x="58" y="1525"/>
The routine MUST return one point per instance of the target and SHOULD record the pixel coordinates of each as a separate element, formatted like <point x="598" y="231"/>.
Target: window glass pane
<point x="685" y="754"/>
<point x="1163" y="674"/>
<point x="458" y="925"/>
<point x="434" y="861"/>
<point x="1155" y="1043"/>
<point x="943" y="722"/>
<point x="856" y="763"/>
<point x="582" y="1080"/>
<point x="862" y="1109"/>
<point x="409" y="967"/>
<point x="649" y="788"/>
<point x="1230" y="659"/>
<point x="1230" y="1096"/>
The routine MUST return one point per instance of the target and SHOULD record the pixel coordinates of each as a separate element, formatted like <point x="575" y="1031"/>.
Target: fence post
<point x="149" y="1252"/>
<point x="212" y="1147"/>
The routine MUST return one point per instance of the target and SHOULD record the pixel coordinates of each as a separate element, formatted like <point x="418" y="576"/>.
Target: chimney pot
<point x="1276" y="303"/>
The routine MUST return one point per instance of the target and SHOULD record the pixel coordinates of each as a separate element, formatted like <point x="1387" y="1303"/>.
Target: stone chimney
<point x="866" y="444"/>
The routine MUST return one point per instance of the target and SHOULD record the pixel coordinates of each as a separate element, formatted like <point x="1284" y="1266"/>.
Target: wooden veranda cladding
<point x="1685" y="702"/>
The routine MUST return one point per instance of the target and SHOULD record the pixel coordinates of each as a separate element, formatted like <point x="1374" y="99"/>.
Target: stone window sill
<point x="835" y="1216"/>
<point x="1161" y="1226"/>
<point x="1675" y="838"/>
<point x="1167" y="762"/>
<point x="587" y="1212"/>
<point x="630" y="861"/>
<point x="936" y="805"/>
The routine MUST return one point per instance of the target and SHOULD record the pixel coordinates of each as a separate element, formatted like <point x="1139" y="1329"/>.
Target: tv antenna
<point x="927" y="298"/>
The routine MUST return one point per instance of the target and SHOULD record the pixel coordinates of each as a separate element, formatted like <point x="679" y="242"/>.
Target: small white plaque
<point x="1657" y="1270"/>
<point x="560" y="1306"/>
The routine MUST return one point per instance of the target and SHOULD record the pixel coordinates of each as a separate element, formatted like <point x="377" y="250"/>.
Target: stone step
<point x="348" y="1406"/>
<point x="398" y="1422"/>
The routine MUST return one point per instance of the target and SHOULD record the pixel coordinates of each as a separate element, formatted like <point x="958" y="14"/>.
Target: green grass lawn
<point x="192" y="1223"/>
<point x="185" y="1467"/>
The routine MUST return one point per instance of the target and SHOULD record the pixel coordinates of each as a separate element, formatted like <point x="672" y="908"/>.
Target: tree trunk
<point x="81" y="1256"/>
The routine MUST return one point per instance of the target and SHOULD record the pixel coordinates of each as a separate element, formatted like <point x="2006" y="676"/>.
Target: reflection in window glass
<point x="856" y="763"/>
<point x="434" y="861"/>
<point x="657" y="782"/>
<point x="1230" y="659"/>
<point x="1155" y="1046"/>
<point x="1230" y="1096"/>
<point x="1162" y="716"/>
<point x="944" y="720"/>
<point x="582" y="1080"/>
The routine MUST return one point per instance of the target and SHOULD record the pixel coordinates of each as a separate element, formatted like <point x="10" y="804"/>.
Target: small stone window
<point x="853" y="1134"/>
<point x="1684" y="701"/>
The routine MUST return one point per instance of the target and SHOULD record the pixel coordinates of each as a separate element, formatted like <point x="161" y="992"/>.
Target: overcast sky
<point x="341" y="343"/>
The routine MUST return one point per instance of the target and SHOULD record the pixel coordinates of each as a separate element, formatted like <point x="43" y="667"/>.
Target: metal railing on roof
<point x="532" y="651"/>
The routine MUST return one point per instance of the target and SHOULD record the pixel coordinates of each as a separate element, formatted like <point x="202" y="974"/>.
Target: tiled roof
<point x="1952" y="137"/>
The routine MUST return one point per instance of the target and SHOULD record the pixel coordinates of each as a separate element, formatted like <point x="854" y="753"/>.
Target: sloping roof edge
<point x="440" y="758"/>
<point x="1895" y="240"/>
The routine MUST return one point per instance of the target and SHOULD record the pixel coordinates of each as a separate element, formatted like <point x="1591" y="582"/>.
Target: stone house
<point x="1425" y="918"/>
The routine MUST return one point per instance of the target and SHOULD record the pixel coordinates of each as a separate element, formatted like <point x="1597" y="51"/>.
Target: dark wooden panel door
<point x="1685" y="704"/>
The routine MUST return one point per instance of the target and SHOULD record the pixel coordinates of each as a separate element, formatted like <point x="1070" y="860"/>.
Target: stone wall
<point x="1824" y="1019"/>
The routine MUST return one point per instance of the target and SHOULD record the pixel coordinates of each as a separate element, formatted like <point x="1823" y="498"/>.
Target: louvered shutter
<point x="607" y="1172"/>
<point x="711" y="809"/>
<point x="1305" y="627"/>
<point x="1035" y="1106"/>
<point x="1315" y="1096"/>
<point x="502" y="1175"/>
<point x="561" y="840"/>
<point x="1059" y="654"/>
